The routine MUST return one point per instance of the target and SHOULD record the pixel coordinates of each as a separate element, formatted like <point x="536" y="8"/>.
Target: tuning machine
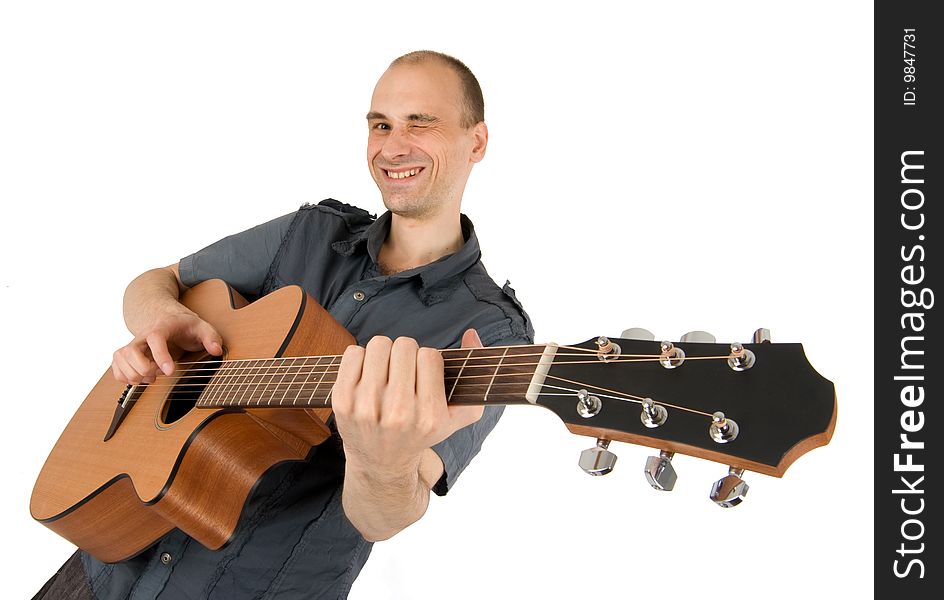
<point x="729" y="490"/>
<point x="638" y="333"/>
<point x="659" y="471"/>
<point x="700" y="337"/>
<point x="597" y="460"/>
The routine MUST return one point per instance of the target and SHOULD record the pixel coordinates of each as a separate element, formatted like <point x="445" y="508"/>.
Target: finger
<point x="367" y="406"/>
<point x="162" y="358"/>
<point x="376" y="363"/>
<point x="430" y="386"/>
<point x="119" y="376"/>
<point x="470" y="339"/>
<point x="128" y="373"/>
<point x="400" y="398"/>
<point x="134" y="358"/>
<point x="349" y="373"/>
<point x="402" y="371"/>
<point x="463" y="416"/>
<point x="211" y="339"/>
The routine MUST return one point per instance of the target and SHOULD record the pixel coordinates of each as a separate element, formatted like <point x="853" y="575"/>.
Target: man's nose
<point x="396" y="145"/>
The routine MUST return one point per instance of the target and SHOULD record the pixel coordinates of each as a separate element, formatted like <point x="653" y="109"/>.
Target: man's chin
<point x="409" y="208"/>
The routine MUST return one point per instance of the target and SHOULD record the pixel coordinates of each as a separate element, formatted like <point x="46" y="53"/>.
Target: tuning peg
<point x="762" y="335"/>
<point x="659" y="471"/>
<point x="729" y="490"/>
<point x="702" y="337"/>
<point x="597" y="460"/>
<point x="652" y="414"/>
<point x="638" y="333"/>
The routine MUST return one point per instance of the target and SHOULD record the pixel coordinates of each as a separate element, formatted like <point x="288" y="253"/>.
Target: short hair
<point x="472" y="102"/>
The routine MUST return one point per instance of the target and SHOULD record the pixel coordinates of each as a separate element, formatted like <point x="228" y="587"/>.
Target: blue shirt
<point x="293" y="540"/>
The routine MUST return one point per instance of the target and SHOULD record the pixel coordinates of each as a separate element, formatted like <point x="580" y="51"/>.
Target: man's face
<point x="419" y="153"/>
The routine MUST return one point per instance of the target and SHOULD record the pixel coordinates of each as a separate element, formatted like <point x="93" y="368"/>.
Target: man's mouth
<point x="404" y="174"/>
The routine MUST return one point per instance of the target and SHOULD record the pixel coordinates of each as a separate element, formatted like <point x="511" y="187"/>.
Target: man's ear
<point x="480" y="139"/>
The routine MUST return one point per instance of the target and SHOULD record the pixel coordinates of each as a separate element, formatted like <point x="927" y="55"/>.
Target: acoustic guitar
<point x="185" y="451"/>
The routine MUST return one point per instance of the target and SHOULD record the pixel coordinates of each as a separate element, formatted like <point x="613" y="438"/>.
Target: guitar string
<point x="273" y="387"/>
<point x="230" y="374"/>
<point x="579" y="352"/>
<point x="460" y="384"/>
<point x="622" y="396"/>
<point x="250" y="371"/>
<point x="230" y="367"/>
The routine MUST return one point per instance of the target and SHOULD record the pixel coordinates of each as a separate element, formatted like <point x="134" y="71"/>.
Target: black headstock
<point x="781" y="407"/>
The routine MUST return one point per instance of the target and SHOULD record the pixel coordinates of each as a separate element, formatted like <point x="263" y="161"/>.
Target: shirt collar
<point x="438" y="278"/>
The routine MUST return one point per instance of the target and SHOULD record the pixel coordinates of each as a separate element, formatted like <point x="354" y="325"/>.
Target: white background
<point x="675" y="166"/>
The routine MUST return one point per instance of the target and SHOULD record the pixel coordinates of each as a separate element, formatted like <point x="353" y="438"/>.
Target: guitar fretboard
<point x="498" y="375"/>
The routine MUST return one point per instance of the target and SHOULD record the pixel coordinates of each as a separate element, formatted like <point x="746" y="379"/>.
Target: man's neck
<point x="413" y="243"/>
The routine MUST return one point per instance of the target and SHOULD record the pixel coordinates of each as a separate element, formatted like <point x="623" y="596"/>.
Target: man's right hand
<point x="150" y="353"/>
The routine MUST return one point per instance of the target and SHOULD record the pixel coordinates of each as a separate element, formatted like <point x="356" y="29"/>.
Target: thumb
<point x="470" y="339"/>
<point x="211" y="339"/>
<point x="466" y="415"/>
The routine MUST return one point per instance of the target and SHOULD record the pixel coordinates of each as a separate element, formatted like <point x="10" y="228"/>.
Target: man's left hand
<point x="390" y="403"/>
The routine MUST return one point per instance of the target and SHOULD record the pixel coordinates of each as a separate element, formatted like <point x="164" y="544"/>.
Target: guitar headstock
<point x="754" y="407"/>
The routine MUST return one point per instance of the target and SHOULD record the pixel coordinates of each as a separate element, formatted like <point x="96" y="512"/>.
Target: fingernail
<point x="167" y="368"/>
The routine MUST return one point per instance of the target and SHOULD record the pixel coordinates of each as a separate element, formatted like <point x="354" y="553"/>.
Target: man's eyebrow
<point x="422" y="117"/>
<point x="416" y="117"/>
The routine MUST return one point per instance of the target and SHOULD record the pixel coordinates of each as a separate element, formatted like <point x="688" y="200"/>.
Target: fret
<point x="304" y="381"/>
<point x="311" y="397"/>
<point x="261" y="375"/>
<point x="327" y="399"/>
<point x="225" y="378"/>
<point x="492" y="380"/>
<point x="229" y="379"/>
<point x="497" y="375"/>
<point x="459" y="375"/>
<point x="288" y="385"/>
<point x="275" y="390"/>
<point x="209" y="390"/>
<point x="244" y="381"/>
<point x="268" y="370"/>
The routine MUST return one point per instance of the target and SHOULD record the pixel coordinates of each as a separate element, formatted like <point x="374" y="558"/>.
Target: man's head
<point x="426" y="130"/>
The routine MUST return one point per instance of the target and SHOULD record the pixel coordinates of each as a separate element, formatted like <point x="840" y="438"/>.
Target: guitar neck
<point x="496" y="375"/>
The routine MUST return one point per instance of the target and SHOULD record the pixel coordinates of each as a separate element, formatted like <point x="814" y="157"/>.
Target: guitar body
<point x="193" y="471"/>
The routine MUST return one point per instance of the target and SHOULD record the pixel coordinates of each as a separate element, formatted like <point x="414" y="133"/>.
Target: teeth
<point x="402" y="174"/>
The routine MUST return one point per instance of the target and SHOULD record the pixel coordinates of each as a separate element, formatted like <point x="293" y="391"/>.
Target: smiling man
<point x="403" y="284"/>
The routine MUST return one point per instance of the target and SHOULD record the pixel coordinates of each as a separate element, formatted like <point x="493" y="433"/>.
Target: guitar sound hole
<point x="188" y="389"/>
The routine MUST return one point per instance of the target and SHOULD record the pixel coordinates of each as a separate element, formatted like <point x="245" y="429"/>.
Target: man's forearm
<point x="381" y="503"/>
<point x="151" y="295"/>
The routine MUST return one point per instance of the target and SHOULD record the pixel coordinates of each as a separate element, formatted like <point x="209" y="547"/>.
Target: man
<point x="408" y="279"/>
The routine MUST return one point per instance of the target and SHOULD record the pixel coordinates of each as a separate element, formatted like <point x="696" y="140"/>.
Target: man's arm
<point x="156" y="318"/>
<point x="390" y="405"/>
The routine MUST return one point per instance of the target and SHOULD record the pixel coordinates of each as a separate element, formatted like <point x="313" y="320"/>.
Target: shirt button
<point x="359" y="295"/>
<point x="166" y="558"/>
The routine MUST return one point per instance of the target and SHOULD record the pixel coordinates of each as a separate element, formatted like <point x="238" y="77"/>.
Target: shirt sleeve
<point x="458" y="450"/>
<point x="241" y="260"/>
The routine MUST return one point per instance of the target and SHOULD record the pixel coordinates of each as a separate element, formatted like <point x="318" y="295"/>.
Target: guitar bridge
<point x="127" y="399"/>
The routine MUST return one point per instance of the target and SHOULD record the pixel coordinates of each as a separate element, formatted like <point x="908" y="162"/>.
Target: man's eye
<point x="382" y="126"/>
